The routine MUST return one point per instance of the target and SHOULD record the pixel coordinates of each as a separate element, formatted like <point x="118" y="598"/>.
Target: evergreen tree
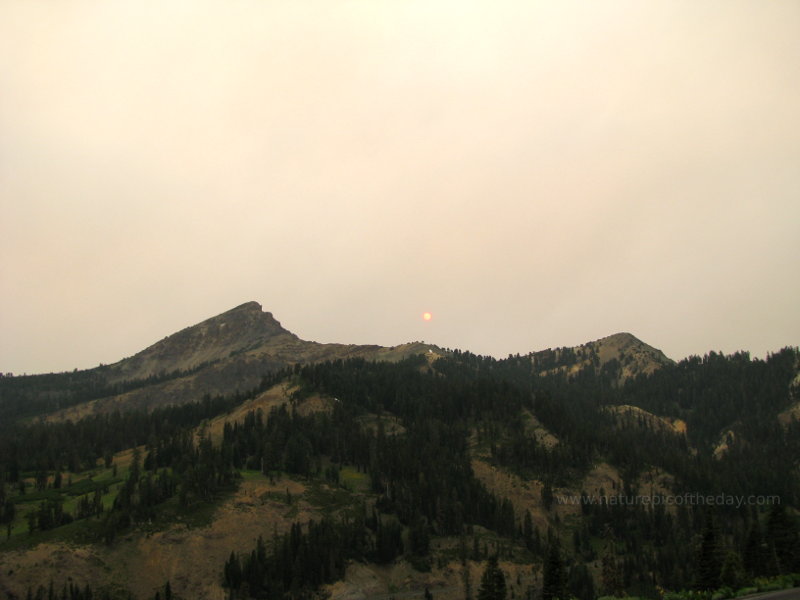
<point x="554" y="577"/>
<point x="581" y="584"/>
<point x="611" y="577"/>
<point x="783" y="537"/>
<point x="527" y="531"/>
<point x="419" y="537"/>
<point x="708" y="562"/>
<point x="754" y="556"/>
<point x="732" y="574"/>
<point x="232" y="574"/>
<point x="547" y="495"/>
<point x="467" y="581"/>
<point x="493" y="581"/>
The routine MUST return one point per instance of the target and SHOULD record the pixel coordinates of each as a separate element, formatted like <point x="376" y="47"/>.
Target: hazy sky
<point x="535" y="174"/>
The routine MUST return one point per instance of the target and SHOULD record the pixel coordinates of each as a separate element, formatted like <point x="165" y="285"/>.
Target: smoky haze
<point x="534" y="174"/>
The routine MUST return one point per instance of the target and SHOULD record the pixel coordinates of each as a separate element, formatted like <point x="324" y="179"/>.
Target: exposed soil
<point x="190" y="558"/>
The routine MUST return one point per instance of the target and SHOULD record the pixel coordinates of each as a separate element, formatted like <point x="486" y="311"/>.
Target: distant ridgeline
<point x="404" y="461"/>
<point x="33" y="395"/>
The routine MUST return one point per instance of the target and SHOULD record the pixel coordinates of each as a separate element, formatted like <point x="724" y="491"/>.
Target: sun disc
<point x="426" y="316"/>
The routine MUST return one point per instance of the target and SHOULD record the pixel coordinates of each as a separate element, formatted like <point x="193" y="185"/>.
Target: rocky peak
<point x="631" y="354"/>
<point x="241" y="329"/>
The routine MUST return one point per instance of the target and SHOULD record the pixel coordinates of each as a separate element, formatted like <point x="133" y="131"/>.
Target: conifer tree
<point x="467" y="581"/>
<point x="554" y="577"/>
<point x="783" y="536"/>
<point x="708" y="563"/>
<point x="611" y="577"/>
<point x="547" y="495"/>
<point x="732" y="572"/>
<point x="493" y="581"/>
<point x="754" y="556"/>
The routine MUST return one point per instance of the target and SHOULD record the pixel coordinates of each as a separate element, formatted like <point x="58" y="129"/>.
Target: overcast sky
<point x="534" y="174"/>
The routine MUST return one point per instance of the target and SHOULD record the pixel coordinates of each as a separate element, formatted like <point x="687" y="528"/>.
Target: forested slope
<point x="437" y="462"/>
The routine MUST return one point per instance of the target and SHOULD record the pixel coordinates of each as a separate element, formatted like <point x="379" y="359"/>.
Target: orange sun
<point x="426" y="316"/>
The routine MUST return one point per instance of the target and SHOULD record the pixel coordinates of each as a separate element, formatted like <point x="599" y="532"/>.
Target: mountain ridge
<point x="248" y="329"/>
<point x="225" y="354"/>
<point x="231" y="352"/>
<point x="420" y="449"/>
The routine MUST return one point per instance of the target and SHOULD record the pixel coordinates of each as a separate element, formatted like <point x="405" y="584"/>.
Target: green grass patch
<point x="252" y="475"/>
<point x="36" y="496"/>
<point x="329" y="499"/>
<point x="84" y="531"/>
<point x="199" y="513"/>
<point x="281" y="497"/>
<point x="70" y="505"/>
<point x="760" y="585"/>
<point x="354" y="480"/>
<point x="89" y="486"/>
<point x="80" y="488"/>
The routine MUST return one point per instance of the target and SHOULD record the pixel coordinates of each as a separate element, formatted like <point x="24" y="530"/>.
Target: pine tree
<point x="547" y="495"/>
<point x="527" y="530"/>
<point x="554" y="577"/>
<point x="419" y="537"/>
<point x="467" y="580"/>
<point x="754" y="555"/>
<point x="732" y="572"/>
<point x="708" y="563"/>
<point x="611" y="577"/>
<point x="493" y="581"/>
<point x="232" y="576"/>
<point x="581" y="584"/>
<point x="783" y="536"/>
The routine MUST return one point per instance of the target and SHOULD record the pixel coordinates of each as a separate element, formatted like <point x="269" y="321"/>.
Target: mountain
<point x="622" y="353"/>
<point x="226" y="354"/>
<point x="364" y="471"/>
<point x="239" y="330"/>
<point x="633" y="355"/>
<point x="231" y="352"/>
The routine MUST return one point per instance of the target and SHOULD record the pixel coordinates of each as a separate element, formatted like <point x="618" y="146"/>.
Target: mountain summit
<point x="223" y="355"/>
<point x="238" y="330"/>
<point x="633" y="355"/>
<point x="622" y="353"/>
